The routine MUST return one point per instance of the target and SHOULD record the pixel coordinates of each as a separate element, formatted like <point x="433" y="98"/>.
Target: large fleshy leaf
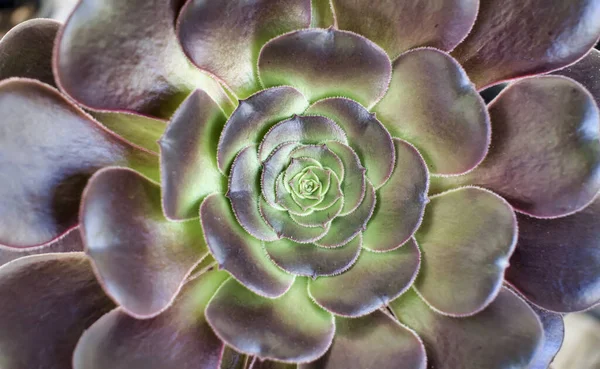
<point x="506" y="335"/>
<point x="269" y="328"/>
<point x="244" y="193"/>
<point x="239" y="253"/>
<point x="178" y="338"/>
<point x="345" y="228"/>
<point x="47" y="303"/>
<point x="124" y="55"/>
<point x="304" y="129"/>
<point x="366" y="135"/>
<point x="551" y="34"/>
<point x="313" y="261"/>
<point x="48" y="150"/>
<point x="400" y="203"/>
<point x="467" y="237"/>
<point x="373" y="281"/>
<point x="401" y="25"/>
<point x="585" y="71"/>
<point x="188" y="153"/>
<point x="141" y="258"/>
<point x="326" y="63"/>
<point x="27" y="50"/>
<point x="285" y="227"/>
<point x="554" y="332"/>
<point x="373" y="341"/>
<point x="556" y="262"/>
<point x="69" y="242"/>
<point x="140" y="130"/>
<point x="225" y="37"/>
<point x="253" y="117"/>
<point x="433" y="105"/>
<point x="545" y="152"/>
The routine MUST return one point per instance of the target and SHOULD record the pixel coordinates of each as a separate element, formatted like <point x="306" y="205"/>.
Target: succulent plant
<point x="298" y="184"/>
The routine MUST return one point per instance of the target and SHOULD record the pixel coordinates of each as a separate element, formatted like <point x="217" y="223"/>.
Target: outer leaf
<point x="373" y="341"/>
<point x="69" y="242"/>
<point x="313" y="261"/>
<point x="554" y="332"/>
<point x="304" y="129"/>
<point x="506" y="335"/>
<point x="467" y="237"/>
<point x="371" y="283"/>
<point x="225" y="37"/>
<point x="433" y="105"/>
<point x="556" y="262"/>
<point x="401" y="201"/>
<point x="585" y="72"/>
<point x="494" y="52"/>
<point x="325" y="63"/>
<point x="398" y="26"/>
<point x="138" y="129"/>
<point x="124" y="55"/>
<point x="244" y="193"/>
<point x="47" y="302"/>
<point x="41" y="188"/>
<point x="345" y="228"/>
<point x="252" y="119"/>
<point x="545" y="152"/>
<point x="140" y="257"/>
<point x="366" y="135"/>
<point x="27" y="50"/>
<point x="188" y="154"/>
<point x="269" y="328"/>
<point x="239" y="254"/>
<point x="178" y="338"/>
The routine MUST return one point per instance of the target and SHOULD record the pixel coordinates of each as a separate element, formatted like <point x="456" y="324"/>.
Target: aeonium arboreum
<point x="298" y="184"/>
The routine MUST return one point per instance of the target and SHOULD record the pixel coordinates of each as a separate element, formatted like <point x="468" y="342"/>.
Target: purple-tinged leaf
<point x="545" y="152"/>
<point x="506" y="335"/>
<point x="178" y="338"/>
<point x="48" y="150"/>
<point x="244" y="193"/>
<point x="269" y="328"/>
<point x="366" y="135"/>
<point x="585" y="71"/>
<point x="398" y="26"/>
<point x="48" y="301"/>
<point x="373" y="281"/>
<point x="237" y="252"/>
<point x="372" y="341"/>
<point x="325" y="63"/>
<point x="313" y="261"/>
<point x="253" y="118"/>
<point x="225" y="37"/>
<point x="432" y="104"/>
<point x="400" y="203"/>
<point x="273" y="167"/>
<point x="554" y="332"/>
<point x="285" y="227"/>
<point x="124" y="55"/>
<point x="354" y="184"/>
<point x="188" y="152"/>
<point x="466" y="238"/>
<point x="69" y="242"/>
<point x="140" y="257"/>
<point x="303" y="129"/>
<point x="345" y="228"/>
<point x="27" y="50"/>
<point x="515" y="38"/>
<point x="556" y="262"/>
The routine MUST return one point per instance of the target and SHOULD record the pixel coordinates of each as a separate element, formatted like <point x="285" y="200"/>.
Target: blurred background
<point x="581" y="347"/>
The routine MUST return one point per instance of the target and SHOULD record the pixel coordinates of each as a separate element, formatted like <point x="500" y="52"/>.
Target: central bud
<point x="307" y="185"/>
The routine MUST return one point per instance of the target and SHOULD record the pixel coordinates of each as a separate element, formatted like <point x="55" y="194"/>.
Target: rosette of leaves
<point x="298" y="184"/>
